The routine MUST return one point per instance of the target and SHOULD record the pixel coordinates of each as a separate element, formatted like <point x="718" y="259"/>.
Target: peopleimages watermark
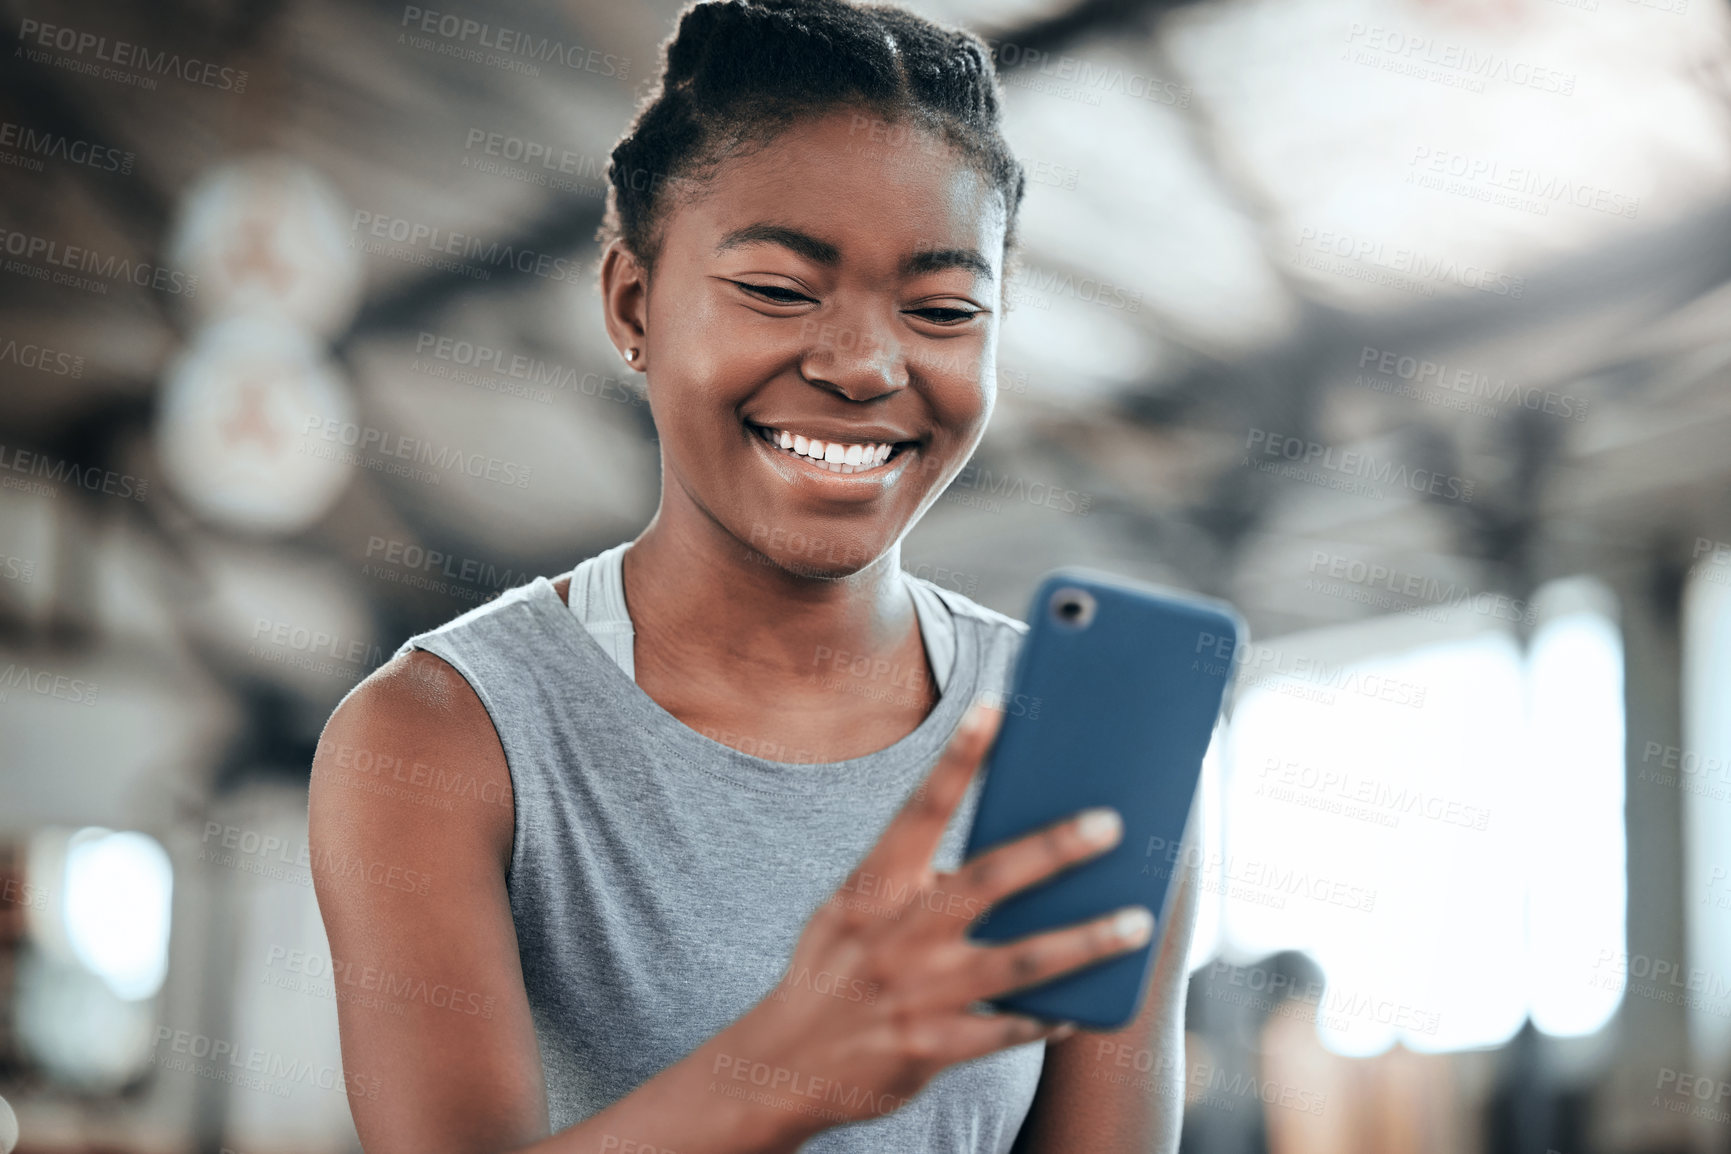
<point x="1397" y="266"/>
<point x="372" y="987"/>
<point x="1687" y="769"/>
<point x="1310" y="678"/>
<point x="317" y="650"/>
<point x="1670" y="7"/>
<point x="1697" y="1095"/>
<point x="879" y="678"/>
<point x="1325" y="1003"/>
<point x="1140" y="1068"/>
<point x="768" y="748"/>
<point x="44" y="259"/>
<point x="499" y="370"/>
<point x="45" y="683"/>
<point x="272" y="856"/>
<point x="534" y="162"/>
<point x="1050" y="172"/>
<point x="1365" y="799"/>
<point x="874" y="678"/>
<point x="252" y="1068"/>
<point x="980" y="487"/>
<point x="50" y="471"/>
<point x="43" y="359"/>
<point x="133" y="64"/>
<point x="1346" y="469"/>
<point x="1718" y="894"/>
<point x="392" y="775"/>
<point x="392" y="448"/>
<point x="457" y="252"/>
<point x="17" y="569"/>
<point x="1489" y="179"/>
<point x="1038" y="287"/>
<point x="1460" y="388"/>
<point x="787" y="1089"/>
<point x="825" y="983"/>
<point x="1252" y="880"/>
<point x="22" y="146"/>
<point x="1662" y="980"/>
<point x="417" y="567"/>
<point x="465" y="39"/>
<point x="14" y="892"/>
<point x="1367" y="581"/>
<point x="1074" y="78"/>
<point x="967" y="584"/>
<point x="879" y="896"/>
<point x="1456" y="65"/>
<point x="630" y="1146"/>
<point x="1712" y="561"/>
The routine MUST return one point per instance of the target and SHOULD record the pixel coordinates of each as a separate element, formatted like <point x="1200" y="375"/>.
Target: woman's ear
<point x="624" y="303"/>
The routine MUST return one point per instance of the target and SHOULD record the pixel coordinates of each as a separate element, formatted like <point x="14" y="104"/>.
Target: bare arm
<point x="438" y="1044"/>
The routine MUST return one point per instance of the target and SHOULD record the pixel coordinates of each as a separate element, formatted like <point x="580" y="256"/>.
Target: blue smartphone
<point x="1122" y="684"/>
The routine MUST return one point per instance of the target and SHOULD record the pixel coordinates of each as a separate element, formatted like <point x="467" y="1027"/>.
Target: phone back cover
<point x="1118" y="714"/>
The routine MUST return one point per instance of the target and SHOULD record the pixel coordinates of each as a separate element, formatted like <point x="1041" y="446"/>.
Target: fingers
<point x="1016" y="865"/>
<point x="1032" y="961"/>
<point x="972" y="1035"/>
<point x="912" y="836"/>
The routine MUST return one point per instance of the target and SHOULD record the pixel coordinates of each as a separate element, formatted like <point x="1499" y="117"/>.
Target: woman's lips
<point x="831" y="455"/>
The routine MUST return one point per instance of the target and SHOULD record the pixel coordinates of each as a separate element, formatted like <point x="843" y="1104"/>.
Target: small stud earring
<point x="631" y="356"/>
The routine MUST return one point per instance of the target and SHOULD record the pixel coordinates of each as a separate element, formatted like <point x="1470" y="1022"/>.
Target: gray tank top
<point x="659" y="878"/>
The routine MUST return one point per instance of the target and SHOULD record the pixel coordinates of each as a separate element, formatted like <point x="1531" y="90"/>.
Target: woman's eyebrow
<point x="937" y="259"/>
<point x="824" y="253"/>
<point x="815" y="250"/>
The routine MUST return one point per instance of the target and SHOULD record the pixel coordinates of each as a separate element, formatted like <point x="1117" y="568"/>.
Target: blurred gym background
<point x="1403" y="324"/>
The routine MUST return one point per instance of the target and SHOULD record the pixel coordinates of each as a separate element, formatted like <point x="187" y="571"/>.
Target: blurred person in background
<point x="702" y="888"/>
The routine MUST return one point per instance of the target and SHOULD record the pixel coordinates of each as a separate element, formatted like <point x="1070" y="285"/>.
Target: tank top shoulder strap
<point x="597" y="599"/>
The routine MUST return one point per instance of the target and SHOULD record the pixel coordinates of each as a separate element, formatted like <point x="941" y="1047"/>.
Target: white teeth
<point x="833" y="456"/>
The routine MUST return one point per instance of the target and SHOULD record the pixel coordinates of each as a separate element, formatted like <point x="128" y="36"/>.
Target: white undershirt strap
<point x="597" y="599"/>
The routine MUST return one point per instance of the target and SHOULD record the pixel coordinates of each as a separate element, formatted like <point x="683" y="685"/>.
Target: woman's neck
<point x="695" y="589"/>
<point x="757" y="657"/>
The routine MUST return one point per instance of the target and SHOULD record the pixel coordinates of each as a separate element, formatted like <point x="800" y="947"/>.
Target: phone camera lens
<point x="1072" y="608"/>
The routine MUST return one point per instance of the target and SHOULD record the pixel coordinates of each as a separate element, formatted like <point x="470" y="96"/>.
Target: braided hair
<point x="738" y="72"/>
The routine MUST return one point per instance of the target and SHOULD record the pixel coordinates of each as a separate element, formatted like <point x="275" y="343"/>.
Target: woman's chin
<point x="818" y="554"/>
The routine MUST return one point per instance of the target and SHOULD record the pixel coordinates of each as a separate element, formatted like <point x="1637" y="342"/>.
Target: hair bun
<point x="738" y="69"/>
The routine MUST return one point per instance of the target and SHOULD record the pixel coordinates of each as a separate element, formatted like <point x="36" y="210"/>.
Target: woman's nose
<point x="859" y="358"/>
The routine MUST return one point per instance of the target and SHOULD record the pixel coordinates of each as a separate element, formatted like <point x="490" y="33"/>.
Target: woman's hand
<point x="880" y="994"/>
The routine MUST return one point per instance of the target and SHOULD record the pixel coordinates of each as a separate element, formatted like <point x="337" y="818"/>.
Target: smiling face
<point x="819" y="338"/>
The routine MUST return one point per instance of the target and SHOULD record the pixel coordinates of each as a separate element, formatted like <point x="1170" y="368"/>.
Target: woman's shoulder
<point x="410" y="756"/>
<point x="965" y="609"/>
<point x="993" y="638"/>
<point x="509" y="607"/>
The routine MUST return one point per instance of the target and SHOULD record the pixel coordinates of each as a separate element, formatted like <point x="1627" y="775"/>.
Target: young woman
<point x="632" y="860"/>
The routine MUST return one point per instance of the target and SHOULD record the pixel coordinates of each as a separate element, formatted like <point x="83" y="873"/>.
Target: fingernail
<point x="1063" y="1032"/>
<point x="1133" y="925"/>
<point x="1102" y="825"/>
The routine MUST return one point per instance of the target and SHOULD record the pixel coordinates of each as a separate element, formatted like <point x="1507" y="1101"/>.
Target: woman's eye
<point x="774" y="293"/>
<point x="945" y="316"/>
